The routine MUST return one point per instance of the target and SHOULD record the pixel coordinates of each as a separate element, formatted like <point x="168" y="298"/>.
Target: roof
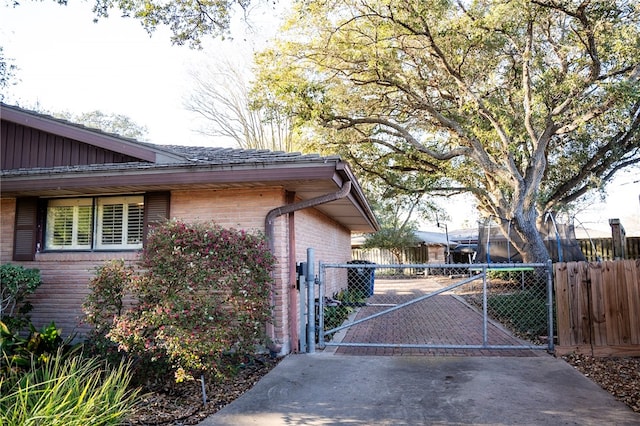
<point x="171" y="167"/>
<point x="423" y="237"/>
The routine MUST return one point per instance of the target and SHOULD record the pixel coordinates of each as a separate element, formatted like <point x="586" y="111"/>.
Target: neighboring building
<point x="431" y="247"/>
<point x="74" y="197"/>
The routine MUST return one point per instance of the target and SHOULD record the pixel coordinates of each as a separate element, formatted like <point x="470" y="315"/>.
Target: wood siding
<point x="25" y="147"/>
<point x="598" y="307"/>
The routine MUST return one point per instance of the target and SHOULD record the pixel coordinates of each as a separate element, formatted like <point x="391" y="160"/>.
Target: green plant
<point x="21" y="353"/>
<point x="104" y="303"/>
<point x="203" y="292"/>
<point x="70" y="391"/>
<point x="16" y="283"/>
<point x="336" y="314"/>
<point x="525" y="312"/>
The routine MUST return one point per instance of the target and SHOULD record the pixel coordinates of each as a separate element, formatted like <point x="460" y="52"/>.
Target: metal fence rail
<point x="427" y="306"/>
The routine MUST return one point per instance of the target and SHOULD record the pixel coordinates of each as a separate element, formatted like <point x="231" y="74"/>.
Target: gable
<point x="26" y="147"/>
<point x="29" y="140"/>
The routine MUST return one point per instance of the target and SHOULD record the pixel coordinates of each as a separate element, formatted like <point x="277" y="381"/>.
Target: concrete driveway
<point x="331" y="389"/>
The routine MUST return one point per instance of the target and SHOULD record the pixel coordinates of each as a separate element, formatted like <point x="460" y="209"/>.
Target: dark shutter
<point x="24" y="247"/>
<point x="156" y="209"/>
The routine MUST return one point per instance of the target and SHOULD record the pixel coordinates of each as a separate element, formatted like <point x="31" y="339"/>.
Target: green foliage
<point x="204" y="292"/>
<point x="189" y="21"/>
<point x="525" y="312"/>
<point x="336" y="314"/>
<point x="392" y="239"/>
<point x="104" y="303"/>
<point x="67" y="390"/>
<point x="22" y="353"/>
<point x="523" y="104"/>
<point x="118" y="124"/>
<point x="106" y="298"/>
<point x="16" y="283"/>
<point x="394" y="210"/>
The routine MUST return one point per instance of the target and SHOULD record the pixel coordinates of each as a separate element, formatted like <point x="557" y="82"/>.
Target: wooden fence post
<point x="618" y="236"/>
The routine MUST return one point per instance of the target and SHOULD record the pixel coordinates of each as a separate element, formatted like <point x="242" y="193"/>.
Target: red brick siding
<point x="245" y="209"/>
<point x="331" y="243"/>
<point x="66" y="275"/>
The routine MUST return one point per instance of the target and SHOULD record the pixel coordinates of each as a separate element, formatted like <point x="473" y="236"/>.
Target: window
<point x="89" y="223"/>
<point x="69" y="224"/>
<point x="104" y="223"/>
<point x="120" y="222"/>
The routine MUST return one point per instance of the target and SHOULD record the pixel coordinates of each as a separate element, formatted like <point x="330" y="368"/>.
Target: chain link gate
<point x="435" y="307"/>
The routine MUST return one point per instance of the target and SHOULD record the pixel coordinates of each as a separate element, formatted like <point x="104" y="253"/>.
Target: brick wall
<point x="66" y="275"/>
<point x="331" y="243"/>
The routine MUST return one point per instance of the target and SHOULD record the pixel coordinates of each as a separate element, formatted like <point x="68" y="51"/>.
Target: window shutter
<point x="156" y="209"/>
<point x="24" y="247"/>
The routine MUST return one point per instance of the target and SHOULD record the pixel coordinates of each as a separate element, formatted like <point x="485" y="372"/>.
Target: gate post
<point x="550" y="344"/>
<point x="485" y="309"/>
<point x="311" y="302"/>
<point x="321" y="283"/>
<point x="302" y="309"/>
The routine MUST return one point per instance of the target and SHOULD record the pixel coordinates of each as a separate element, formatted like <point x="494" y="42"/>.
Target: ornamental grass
<point x="67" y="391"/>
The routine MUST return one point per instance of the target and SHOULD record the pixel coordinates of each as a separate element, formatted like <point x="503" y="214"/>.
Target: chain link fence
<point x="436" y="306"/>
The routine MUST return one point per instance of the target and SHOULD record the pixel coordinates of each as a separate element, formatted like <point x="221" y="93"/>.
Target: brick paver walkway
<point x="439" y="320"/>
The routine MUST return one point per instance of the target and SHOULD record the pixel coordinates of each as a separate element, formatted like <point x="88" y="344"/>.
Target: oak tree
<point x="526" y="104"/>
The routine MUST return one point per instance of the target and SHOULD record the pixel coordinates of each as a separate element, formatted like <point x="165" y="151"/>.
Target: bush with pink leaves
<point x="203" y="293"/>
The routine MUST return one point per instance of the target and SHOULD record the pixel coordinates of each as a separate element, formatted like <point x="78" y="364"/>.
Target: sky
<point x="66" y="62"/>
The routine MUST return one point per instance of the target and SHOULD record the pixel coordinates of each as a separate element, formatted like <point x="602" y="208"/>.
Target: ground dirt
<point x="618" y="376"/>
<point x="182" y="404"/>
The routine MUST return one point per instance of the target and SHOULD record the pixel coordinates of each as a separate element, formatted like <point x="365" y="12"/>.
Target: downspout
<point x="290" y="208"/>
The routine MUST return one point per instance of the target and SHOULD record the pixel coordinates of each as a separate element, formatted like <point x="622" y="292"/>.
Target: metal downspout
<point x="290" y="208"/>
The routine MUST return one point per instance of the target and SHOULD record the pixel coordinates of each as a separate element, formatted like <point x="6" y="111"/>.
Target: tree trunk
<point x="530" y="245"/>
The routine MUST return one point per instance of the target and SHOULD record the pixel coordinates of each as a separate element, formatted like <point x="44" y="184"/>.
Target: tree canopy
<point x="7" y="72"/>
<point x="396" y="212"/>
<point x="221" y="97"/>
<point x="188" y="20"/>
<point x="119" y="124"/>
<point x="526" y="104"/>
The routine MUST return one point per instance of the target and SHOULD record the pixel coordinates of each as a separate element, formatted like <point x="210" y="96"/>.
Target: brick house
<point x="74" y="197"/>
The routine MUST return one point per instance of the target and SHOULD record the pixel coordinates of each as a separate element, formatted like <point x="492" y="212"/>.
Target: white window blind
<point x="116" y="222"/>
<point x="120" y="222"/>
<point x="69" y="224"/>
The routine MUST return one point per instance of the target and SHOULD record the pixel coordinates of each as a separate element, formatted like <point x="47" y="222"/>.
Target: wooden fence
<point x="420" y="254"/>
<point x="598" y="307"/>
<point x="602" y="248"/>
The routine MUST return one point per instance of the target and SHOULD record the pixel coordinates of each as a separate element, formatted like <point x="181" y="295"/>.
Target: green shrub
<point x="16" y="283"/>
<point x="68" y="391"/>
<point x="19" y="353"/>
<point x="335" y="315"/>
<point x="203" y="293"/>
<point x="104" y="303"/>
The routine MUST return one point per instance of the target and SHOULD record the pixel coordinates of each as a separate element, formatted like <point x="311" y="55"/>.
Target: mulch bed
<point x="181" y="403"/>
<point x="618" y="376"/>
